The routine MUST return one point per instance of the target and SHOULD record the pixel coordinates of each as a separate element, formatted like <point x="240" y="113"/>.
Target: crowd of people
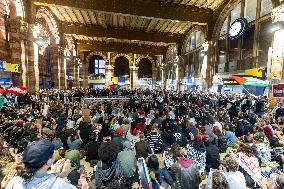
<point x="189" y="140"/>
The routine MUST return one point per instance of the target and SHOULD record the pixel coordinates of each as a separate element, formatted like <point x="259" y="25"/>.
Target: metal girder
<point x="122" y="48"/>
<point x="140" y="8"/>
<point x="98" y="31"/>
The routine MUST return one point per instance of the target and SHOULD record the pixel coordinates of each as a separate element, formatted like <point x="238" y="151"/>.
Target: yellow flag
<point x="256" y="72"/>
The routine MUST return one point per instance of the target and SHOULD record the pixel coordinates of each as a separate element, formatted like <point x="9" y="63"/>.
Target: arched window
<point x="245" y="53"/>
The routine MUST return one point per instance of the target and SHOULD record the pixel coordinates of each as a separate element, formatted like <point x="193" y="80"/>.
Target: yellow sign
<point x="9" y="67"/>
<point x="114" y="79"/>
<point x="256" y="72"/>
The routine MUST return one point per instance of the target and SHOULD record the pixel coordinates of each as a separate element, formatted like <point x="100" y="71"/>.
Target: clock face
<point x="235" y="29"/>
<point x="238" y="28"/>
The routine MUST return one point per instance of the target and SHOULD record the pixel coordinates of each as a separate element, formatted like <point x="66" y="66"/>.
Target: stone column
<point x="276" y="69"/>
<point x="109" y="72"/>
<point x="15" y="48"/>
<point x="133" y="76"/>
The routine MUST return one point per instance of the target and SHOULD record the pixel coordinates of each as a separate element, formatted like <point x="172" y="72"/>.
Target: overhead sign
<point x="230" y="81"/>
<point x="5" y="81"/>
<point x="278" y="91"/>
<point x="8" y="67"/>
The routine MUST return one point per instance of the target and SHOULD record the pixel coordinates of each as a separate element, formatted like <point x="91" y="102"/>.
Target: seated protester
<point x="59" y="154"/>
<point x="37" y="159"/>
<point x="57" y="142"/>
<point x="133" y="134"/>
<point x="118" y="136"/>
<point x="154" y="139"/>
<point x="245" y="156"/>
<point x="70" y="123"/>
<point x="143" y="149"/>
<point x="235" y="178"/>
<point x="231" y="138"/>
<point x="170" y="155"/>
<point x="108" y="170"/>
<point x="127" y="161"/>
<point x="212" y="155"/>
<point x="74" y="141"/>
<point x="216" y="180"/>
<point x="85" y="129"/>
<point x="197" y="153"/>
<point x="185" y="173"/>
<point x="141" y="126"/>
<point x="177" y="135"/>
<point x="74" y="157"/>
<point x="267" y="129"/>
<point x="262" y="149"/>
<point x="163" y="176"/>
<point x="125" y="125"/>
<point x="92" y="148"/>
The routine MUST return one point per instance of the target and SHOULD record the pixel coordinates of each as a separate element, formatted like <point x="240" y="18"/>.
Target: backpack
<point x="222" y="144"/>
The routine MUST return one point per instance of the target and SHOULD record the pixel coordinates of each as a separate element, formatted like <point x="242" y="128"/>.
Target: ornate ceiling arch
<point x="94" y="53"/>
<point x="146" y="57"/>
<point x="44" y="14"/>
<point x="123" y="55"/>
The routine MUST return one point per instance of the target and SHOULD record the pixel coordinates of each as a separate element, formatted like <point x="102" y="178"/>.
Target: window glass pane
<point x="222" y="55"/>
<point x="247" y="49"/>
<point x="264" y="42"/>
<point x="236" y="13"/>
<point x="187" y="47"/>
<point x="198" y="38"/>
<point x="266" y="7"/>
<point x="224" y="28"/>
<point x="101" y="71"/>
<point x="101" y="63"/>
<point x="192" y="42"/>
<point x="96" y="64"/>
<point x="250" y="10"/>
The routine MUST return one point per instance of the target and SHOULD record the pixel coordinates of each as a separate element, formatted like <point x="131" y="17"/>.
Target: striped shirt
<point x="155" y="141"/>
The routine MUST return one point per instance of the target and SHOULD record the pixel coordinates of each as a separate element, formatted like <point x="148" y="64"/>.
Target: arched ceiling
<point x="135" y="23"/>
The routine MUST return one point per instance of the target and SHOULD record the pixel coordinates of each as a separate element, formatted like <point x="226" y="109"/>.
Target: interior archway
<point x="121" y="67"/>
<point x="145" y="68"/>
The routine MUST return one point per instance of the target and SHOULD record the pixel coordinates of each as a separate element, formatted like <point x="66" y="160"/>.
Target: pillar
<point x="76" y="73"/>
<point x="133" y="76"/>
<point x="15" y="48"/>
<point x="109" y="72"/>
<point x="276" y="70"/>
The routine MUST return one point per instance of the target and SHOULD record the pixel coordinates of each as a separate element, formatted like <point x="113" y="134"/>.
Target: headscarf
<point x="74" y="157"/>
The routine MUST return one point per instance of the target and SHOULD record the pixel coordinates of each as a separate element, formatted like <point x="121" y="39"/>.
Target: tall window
<point x="193" y="58"/>
<point x="47" y="61"/>
<point x="241" y="54"/>
<point x="99" y="67"/>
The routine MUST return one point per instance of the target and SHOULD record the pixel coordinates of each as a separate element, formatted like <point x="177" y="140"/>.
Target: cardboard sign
<point x="278" y="91"/>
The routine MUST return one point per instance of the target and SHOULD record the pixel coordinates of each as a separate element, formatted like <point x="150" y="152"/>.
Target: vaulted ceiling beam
<point x="140" y="8"/>
<point x="98" y="31"/>
<point x="122" y="48"/>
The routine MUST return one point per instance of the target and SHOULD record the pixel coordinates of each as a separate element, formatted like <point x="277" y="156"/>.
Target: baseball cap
<point x="38" y="153"/>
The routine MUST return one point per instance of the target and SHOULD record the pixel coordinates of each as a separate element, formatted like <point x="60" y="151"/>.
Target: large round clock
<point x="238" y="28"/>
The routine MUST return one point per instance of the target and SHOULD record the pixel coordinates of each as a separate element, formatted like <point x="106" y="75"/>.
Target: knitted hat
<point x="119" y="131"/>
